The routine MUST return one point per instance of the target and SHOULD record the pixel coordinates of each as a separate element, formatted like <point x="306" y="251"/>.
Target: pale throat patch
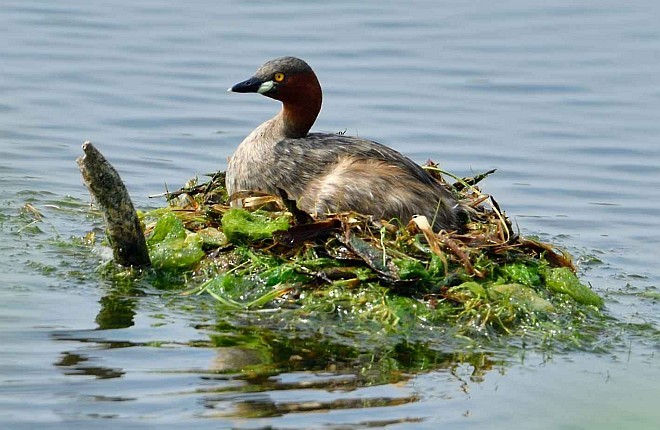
<point x="265" y="87"/>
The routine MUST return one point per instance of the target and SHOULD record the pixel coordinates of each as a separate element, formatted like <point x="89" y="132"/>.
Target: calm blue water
<point x="562" y="98"/>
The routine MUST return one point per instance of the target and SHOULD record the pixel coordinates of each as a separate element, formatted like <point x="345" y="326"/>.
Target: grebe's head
<point x="288" y="79"/>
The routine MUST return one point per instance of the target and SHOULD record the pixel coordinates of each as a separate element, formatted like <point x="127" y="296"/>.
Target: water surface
<point x="563" y="99"/>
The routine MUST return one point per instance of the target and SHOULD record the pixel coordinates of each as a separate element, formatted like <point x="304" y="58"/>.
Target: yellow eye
<point x="279" y="77"/>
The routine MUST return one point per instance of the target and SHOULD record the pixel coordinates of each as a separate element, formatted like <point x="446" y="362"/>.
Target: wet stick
<point x="122" y="224"/>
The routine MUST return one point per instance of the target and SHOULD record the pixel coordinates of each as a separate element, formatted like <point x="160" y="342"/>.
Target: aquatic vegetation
<point x="561" y="280"/>
<point x="172" y="246"/>
<point x="359" y="275"/>
<point x="239" y="225"/>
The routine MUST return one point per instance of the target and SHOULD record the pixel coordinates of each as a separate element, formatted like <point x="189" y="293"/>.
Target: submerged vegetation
<point x="355" y="275"/>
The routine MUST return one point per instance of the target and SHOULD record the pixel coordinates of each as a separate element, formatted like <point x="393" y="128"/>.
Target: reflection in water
<point x="268" y="408"/>
<point x="71" y="362"/>
<point x="323" y="375"/>
<point x="261" y="373"/>
<point x="343" y="381"/>
<point x="116" y="312"/>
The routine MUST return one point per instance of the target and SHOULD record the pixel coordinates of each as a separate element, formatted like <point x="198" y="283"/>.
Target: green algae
<point x="240" y="225"/>
<point x="525" y="274"/>
<point x="168" y="227"/>
<point x="522" y="297"/>
<point x="171" y="246"/>
<point x="562" y="280"/>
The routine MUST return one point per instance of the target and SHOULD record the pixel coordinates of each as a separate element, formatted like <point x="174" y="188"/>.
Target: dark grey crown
<point x="287" y="65"/>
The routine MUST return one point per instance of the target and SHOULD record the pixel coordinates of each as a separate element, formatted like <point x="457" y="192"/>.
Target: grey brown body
<point x="328" y="173"/>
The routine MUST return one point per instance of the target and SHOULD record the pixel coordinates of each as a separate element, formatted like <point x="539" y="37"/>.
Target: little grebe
<point x="328" y="173"/>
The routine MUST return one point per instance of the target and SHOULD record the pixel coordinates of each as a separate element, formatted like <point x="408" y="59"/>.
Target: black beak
<point x="248" y="86"/>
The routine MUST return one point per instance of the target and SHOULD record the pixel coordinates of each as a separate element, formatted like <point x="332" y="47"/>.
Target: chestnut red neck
<point x="301" y="99"/>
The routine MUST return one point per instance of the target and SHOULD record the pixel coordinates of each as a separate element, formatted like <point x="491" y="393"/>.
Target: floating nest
<point x="487" y="279"/>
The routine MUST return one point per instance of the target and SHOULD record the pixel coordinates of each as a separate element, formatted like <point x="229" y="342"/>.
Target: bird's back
<point x="329" y="173"/>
